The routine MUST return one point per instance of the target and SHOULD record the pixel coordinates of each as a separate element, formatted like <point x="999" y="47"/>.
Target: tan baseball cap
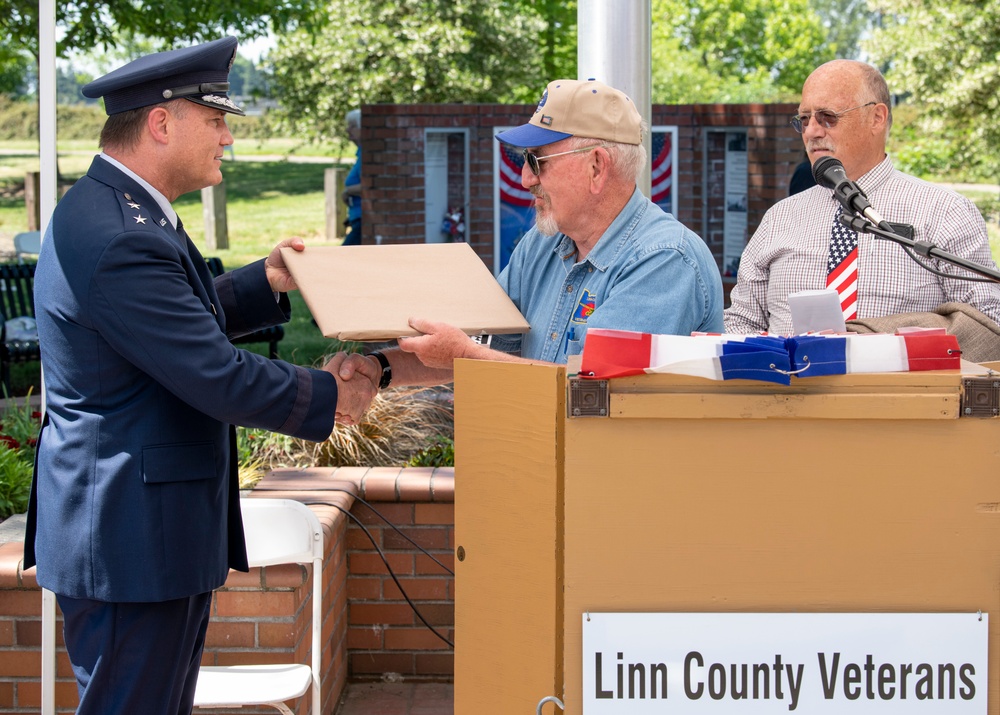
<point x="579" y="108"/>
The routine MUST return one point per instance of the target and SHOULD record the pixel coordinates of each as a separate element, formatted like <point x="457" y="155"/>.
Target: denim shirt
<point x="647" y="273"/>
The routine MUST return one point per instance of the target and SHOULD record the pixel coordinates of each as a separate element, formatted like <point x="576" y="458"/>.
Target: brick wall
<point x="392" y="145"/>
<point x="265" y="616"/>
<point x="384" y="635"/>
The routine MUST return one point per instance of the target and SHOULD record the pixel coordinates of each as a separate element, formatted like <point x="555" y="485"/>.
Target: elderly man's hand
<point x="439" y="345"/>
<point x="347" y="365"/>
<point x="357" y="385"/>
<point x="274" y="266"/>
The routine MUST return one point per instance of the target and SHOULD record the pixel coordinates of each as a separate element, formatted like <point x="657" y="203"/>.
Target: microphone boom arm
<point x="924" y="248"/>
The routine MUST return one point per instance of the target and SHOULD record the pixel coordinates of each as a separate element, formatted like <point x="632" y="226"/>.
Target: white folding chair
<point x="28" y="243"/>
<point x="278" y="531"/>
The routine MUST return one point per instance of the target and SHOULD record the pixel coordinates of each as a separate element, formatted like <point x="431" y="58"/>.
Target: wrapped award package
<point x="368" y="293"/>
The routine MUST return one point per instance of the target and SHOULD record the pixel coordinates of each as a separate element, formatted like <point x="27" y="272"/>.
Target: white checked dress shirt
<point x="790" y="248"/>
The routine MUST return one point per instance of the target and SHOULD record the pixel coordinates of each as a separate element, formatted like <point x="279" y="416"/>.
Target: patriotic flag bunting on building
<point x="517" y="205"/>
<point x="511" y="191"/>
<point x="661" y="174"/>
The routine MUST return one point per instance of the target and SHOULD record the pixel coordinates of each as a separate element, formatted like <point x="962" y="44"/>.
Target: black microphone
<point x="829" y="173"/>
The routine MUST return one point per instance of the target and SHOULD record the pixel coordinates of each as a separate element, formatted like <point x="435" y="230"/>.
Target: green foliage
<point x="558" y="42"/>
<point x="946" y="55"/>
<point x="19" y="425"/>
<point x="246" y="81"/>
<point x="846" y="21"/>
<point x="19" y="120"/>
<point x="87" y="24"/>
<point x="15" y="482"/>
<point x="439" y="452"/>
<point x="404" y="51"/>
<point x="259" y="450"/>
<point x="917" y="151"/>
<point x="734" y="50"/>
<point x="16" y="71"/>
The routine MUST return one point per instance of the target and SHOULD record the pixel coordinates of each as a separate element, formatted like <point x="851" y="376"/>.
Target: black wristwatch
<point x="386" y="368"/>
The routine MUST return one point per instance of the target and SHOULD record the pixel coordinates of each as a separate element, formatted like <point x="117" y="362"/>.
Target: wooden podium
<point x="853" y="493"/>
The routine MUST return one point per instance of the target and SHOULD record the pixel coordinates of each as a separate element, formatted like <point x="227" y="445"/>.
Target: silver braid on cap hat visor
<point x="224" y="101"/>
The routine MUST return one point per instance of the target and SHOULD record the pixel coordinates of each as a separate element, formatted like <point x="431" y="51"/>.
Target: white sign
<point x="734" y="230"/>
<point x="722" y="663"/>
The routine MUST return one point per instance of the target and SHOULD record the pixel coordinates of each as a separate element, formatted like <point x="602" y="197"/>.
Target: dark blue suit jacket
<point x="135" y="490"/>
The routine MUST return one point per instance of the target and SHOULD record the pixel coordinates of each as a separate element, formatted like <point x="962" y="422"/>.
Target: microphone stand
<point x="924" y="248"/>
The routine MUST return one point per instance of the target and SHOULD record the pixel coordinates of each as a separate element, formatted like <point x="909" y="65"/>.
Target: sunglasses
<point x="824" y="117"/>
<point x="532" y="159"/>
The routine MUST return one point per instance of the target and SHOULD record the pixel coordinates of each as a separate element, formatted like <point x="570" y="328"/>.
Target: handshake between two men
<point x="422" y="360"/>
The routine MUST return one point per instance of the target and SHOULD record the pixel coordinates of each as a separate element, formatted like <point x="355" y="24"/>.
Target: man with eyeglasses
<point x="845" y="113"/>
<point x="601" y="254"/>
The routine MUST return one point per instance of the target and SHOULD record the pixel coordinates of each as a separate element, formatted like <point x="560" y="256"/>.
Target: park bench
<point x="17" y="300"/>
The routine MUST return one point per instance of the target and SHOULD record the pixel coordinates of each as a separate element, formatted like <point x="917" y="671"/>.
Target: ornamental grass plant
<point x="404" y="426"/>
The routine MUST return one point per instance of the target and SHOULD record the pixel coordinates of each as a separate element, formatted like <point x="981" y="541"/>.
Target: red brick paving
<point x="397" y="699"/>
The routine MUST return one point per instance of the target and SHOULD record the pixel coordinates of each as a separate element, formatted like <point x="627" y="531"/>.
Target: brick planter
<point x="369" y="631"/>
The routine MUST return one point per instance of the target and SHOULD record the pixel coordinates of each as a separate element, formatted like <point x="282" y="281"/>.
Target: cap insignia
<point x="216" y="99"/>
<point x="541" y="102"/>
<point x="546" y="120"/>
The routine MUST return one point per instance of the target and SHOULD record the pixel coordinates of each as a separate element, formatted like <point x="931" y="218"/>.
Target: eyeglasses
<point x="532" y="159"/>
<point x="824" y="117"/>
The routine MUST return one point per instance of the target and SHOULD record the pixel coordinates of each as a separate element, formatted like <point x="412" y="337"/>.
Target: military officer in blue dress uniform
<point x="134" y="515"/>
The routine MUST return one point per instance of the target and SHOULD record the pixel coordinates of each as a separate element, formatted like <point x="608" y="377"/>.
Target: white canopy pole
<point x="47" y="109"/>
<point x="48" y="182"/>
<point x="614" y="46"/>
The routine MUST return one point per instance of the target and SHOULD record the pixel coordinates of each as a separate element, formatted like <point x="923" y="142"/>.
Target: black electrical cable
<point x="395" y="528"/>
<point x="387" y="566"/>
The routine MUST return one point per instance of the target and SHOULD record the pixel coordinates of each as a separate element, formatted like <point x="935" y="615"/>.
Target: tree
<point x="846" y="22"/>
<point x="246" y="81"/>
<point x="734" y="50"/>
<point x="89" y="24"/>
<point x="17" y="72"/>
<point x="946" y="55"/>
<point x="402" y="51"/>
<point x="68" y="85"/>
<point x="559" y="37"/>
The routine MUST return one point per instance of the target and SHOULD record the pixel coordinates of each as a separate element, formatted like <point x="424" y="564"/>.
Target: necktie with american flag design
<point x="842" y="266"/>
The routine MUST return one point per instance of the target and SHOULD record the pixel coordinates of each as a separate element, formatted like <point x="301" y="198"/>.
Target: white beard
<point x="546" y="224"/>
